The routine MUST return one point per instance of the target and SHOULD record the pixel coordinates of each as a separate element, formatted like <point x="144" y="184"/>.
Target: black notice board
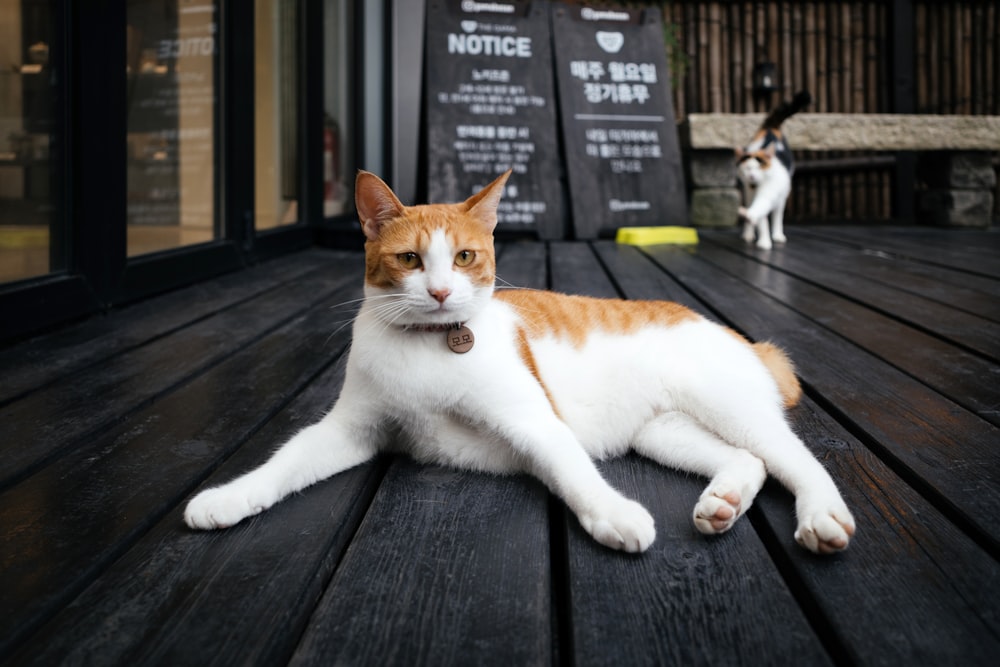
<point x="490" y="106"/>
<point x="619" y="132"/>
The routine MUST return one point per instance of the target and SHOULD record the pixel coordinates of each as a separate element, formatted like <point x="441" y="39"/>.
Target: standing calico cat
<point x="765" y="167"/>
<point x="446" y="370"/>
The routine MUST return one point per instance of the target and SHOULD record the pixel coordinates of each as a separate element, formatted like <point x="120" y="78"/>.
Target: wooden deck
<point x="110" y="425"/>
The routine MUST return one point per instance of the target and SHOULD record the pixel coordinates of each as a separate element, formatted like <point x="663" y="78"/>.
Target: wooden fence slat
<point x="836" y="50"/>
<point x="840" y="53"/>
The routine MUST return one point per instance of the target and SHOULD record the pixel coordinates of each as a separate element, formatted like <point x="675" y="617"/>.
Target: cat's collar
<point x="446" y="326"/>
<point x="458" y="336"/>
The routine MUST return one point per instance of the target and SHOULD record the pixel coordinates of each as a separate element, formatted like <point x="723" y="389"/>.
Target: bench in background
<point x="954" y="158"/>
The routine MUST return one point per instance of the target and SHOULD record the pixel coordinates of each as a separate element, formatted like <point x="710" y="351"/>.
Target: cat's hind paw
<point x="827" y="531"/>
<point x="220" y="507"/>
<point x="717" y="511"/>
<point x="622" y="524"/>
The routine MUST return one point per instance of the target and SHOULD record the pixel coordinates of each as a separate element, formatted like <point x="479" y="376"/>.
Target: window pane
<point x="338" y="99"/>
<point x="275" y="108"/>
<point x="171" y="64"/>
<point x="29" y="210"/>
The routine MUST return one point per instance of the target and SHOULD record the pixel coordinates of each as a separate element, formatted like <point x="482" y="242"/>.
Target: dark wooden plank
<point x="454" y="566"/>
<point x="965" y="378"/>
<point x="66" y="523"/>
<point x="639" y="278"/>
<point x="35" y="431"/>
<point x="971" y="251"/>
<point x="647" y="609"/>
<point x="973" y="294"/>
<point x="907" y="565"/>
<point x="911" y="589"/>
<point x="46" y="358"/>
<point x="239" y="596"/>
<point x="575" y="269"/>
<point x="448" y="567"/>
<point x="689" y="599"/>
<point x="522" y="264"/>
<point x="970" y="330"/>
<point x="932" y="442"/>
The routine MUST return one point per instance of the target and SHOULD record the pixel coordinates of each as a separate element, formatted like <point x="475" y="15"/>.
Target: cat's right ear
<point x="376" y="204"/>
<point x="483" y="205"/>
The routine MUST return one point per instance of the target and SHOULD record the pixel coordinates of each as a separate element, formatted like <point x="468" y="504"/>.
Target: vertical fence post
<point x="902" y="74"/>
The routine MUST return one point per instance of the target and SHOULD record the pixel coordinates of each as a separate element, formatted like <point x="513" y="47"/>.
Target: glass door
<point x="149" y="144"/>
<point x="31" y="243"/>
<point x="171" y="134"/>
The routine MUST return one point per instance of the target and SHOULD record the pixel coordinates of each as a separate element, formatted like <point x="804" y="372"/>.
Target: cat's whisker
<point x="387" y="314"/>
<point x="363" y="299"/>
<point x="503" y="284"/>
<point x="343" y="325"/>
<point x="392" y="307"/>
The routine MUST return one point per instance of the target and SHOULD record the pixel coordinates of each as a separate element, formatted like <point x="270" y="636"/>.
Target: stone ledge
<point x="715" y="207"/>
<point x="955" y="208"/>
<point x="832" y="131"/>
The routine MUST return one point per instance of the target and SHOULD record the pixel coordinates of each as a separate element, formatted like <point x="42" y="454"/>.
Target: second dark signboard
<point x="619" y="132"/>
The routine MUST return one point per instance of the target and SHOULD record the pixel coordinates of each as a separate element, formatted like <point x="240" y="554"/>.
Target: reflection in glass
<point x="29" y="218"/>
<point x="275" y="107"/>
<point x="338" y="133"/>
<point x="171" y="56"/>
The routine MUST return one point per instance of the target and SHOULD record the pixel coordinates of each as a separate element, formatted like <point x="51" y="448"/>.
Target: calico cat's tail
<point x="781" y="369"/>
<point x="785" y="110"/>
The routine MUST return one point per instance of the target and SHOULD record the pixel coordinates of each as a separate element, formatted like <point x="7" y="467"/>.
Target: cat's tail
<point x="782" y="370"/>
<point x="785" y="110"/>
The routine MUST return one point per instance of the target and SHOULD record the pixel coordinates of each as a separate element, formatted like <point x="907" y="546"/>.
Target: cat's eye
<point x="464" y="258"/>
<point x="409" y="260"/>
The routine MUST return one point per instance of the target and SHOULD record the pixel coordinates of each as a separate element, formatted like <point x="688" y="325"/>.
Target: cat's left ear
<point x="483" y="205"/>
<point x="376" y="204"/>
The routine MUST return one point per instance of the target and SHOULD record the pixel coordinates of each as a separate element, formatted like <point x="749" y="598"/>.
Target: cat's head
<point x="431" y="264"/>
<point x="752" y="166"/>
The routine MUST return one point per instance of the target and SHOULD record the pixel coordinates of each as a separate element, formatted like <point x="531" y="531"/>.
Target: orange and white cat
<point x="447" y="370"/>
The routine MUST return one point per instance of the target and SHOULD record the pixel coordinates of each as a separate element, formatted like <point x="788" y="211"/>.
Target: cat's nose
<point x="440" y="294"/>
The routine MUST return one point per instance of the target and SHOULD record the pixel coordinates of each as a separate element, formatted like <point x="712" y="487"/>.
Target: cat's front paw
<point x="764" y="244"/>
<point x="826" y="531"/>
<point x="621" y="524"/>
<point x="221" y="507"/>
<point x="779" y="238"/>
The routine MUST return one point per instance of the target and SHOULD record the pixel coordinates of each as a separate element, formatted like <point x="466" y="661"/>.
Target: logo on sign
<point x="611" y="42"/>
<point x="472" y="7"/>
<point x="588" y="14"/>
<point x="469" y="26"/>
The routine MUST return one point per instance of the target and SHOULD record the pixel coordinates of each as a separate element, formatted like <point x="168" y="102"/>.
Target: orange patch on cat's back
<point x="575" y="317"/>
